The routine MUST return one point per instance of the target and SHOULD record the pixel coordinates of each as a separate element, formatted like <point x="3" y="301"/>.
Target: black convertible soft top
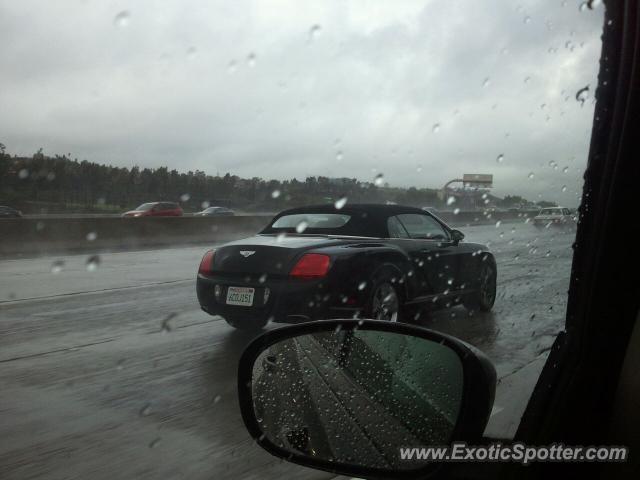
<point x="367" y="220"/>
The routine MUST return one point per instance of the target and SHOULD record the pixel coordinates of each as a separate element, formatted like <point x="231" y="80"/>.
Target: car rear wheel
<point x="384" y="303"/>
<point x="485" y="296"/>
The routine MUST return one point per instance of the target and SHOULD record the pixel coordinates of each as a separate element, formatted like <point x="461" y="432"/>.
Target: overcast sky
<point x="284" y="89"/>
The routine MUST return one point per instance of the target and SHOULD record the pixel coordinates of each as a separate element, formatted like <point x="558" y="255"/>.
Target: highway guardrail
<point x="45" y="235"/>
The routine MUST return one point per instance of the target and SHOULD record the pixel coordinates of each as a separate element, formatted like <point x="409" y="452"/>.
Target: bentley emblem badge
<point x="247" y="253"/>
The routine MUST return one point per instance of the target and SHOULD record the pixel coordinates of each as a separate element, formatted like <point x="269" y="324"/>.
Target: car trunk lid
<point x="265" y="254"/>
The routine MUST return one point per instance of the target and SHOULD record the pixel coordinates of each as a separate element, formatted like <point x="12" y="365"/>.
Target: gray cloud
<point x="177" y="86"/>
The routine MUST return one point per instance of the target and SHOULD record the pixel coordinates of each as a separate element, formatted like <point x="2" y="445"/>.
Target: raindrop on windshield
<point x="378" y="180"/>
<point x="275" y="194"/>
<point x="302" y="226"/>
<point x="232" y="66"/>
<point x="526" y="19"/>
<point x="23" y="173"/>
<point x="531" y="175"/>
<point x="154" y="442"/>
<point x="251" y="59"/>
<point x="57" y="266"/>
<point x="435" y="128"/>
<point x="456" y="211"/>
<point x="582" y="95"/>
<point x="362" y="285"/>
<point x="91" y="236"/>
<point x="498" y="223"/>
<point x="565" y="169"/>
<point x="205" y="204"/>
<point x="564" y="188"/>
<point x="339" y="155"/>
<point x="314" y="32"/>
<point x="500" y="158"/>
<point x="185" y="197"/>
<point x="122" y="19"/>
<point x="145" y="410"/>
<point x="165" y="326"/>
<point x="341" y="202"/>
<point x="191" y="53"/>
<point x="451" y="200"/>
<point x="486" y="82"/>
<point x="93" y="262"/>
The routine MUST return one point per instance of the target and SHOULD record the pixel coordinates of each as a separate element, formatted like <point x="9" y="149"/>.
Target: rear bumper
<point x="289" y="300"/>
<point x="552" y="221"/>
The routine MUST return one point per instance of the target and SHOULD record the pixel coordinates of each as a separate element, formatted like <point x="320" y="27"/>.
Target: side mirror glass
<point x="457" y="235"/>
<point x="346" y="396"/>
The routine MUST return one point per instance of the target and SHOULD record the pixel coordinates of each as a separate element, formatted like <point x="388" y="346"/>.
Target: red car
<point x="156" y="209"/>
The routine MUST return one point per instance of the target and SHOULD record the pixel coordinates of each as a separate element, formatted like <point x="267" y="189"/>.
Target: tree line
<point x="60" y="184"/>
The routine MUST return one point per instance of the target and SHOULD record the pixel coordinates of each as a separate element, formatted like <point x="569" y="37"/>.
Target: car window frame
<point x="580" y="374"/>
<point x="445" y="229"/>
<point x="401" y="225"/>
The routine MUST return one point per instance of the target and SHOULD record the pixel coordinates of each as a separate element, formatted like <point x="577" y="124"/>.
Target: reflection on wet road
<point x="130" y="378"/>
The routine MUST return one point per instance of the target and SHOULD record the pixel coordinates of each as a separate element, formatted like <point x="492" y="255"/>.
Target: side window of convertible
<point x="396" y="230"/>
<point x="422" y="226"/>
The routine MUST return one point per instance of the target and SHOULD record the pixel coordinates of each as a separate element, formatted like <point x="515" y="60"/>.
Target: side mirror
<point x="345" y="396"/>
<point x="457" y="236"/>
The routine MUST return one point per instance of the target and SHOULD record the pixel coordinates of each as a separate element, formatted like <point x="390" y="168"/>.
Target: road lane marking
<point x="58" y="350"/>
<point x="93" y="292"/>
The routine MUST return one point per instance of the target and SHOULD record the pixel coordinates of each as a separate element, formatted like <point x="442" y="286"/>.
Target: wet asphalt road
<point x="116" y="373"/>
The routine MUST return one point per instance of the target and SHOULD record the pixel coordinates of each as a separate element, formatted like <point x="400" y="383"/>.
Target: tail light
<point x="206" y="263"/>
<point x="311" y="265"/>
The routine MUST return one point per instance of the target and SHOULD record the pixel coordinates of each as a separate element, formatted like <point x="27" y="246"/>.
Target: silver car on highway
<point x="555" y="216"/>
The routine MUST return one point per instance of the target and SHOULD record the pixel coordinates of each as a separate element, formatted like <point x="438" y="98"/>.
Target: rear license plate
<point x="240" y="296"/>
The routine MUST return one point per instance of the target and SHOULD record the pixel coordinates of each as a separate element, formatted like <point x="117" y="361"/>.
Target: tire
<point x="247" y="324"/>
<point x="384" y="302"/>
<point x="484" y="298"/>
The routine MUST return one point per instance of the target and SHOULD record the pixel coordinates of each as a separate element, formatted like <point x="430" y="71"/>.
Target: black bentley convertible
<point x="363" y="261"/>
